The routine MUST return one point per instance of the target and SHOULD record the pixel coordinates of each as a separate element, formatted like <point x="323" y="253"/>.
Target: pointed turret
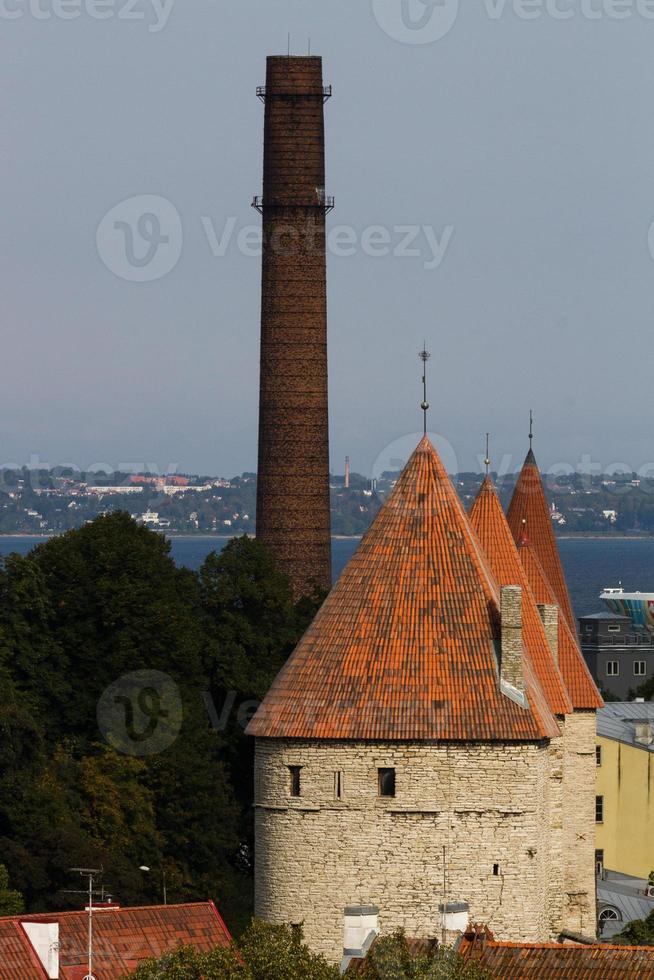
<point x="488" y="520"/>
<point x="529" y="504"/>
<point x="578" y="681"/>
<point x="406" y="645"/>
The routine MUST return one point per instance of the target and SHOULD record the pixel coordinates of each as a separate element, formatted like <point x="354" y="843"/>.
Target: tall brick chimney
<point x="293" y="471"/>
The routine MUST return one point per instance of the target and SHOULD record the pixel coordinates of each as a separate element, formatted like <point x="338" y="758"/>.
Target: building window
<point x="640" y="668"/>
<point x="599" y="864"/>
<point x="294" y="772"/>
<point x="599" y="809"/>
<point x="612" y="668"/>
<point x="386" y="782"/>
<point x="338" y="785"/>
<point x="598" y="755"/>
<point x="614" y="629"/>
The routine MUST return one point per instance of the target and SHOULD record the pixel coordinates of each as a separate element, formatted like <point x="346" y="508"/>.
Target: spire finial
<point x="424" y="356"/>
<point x="487" y="461"/>
<point x="531" y="428"/>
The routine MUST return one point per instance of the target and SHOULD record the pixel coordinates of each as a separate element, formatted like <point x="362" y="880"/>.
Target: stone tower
<point x="531" y="527"/>
<point x="293" y="517"/>
<point x="409" y="756"/>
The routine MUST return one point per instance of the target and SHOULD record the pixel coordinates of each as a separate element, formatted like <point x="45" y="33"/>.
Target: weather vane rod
<point x="424" y="356"/>
<point x="487" y="461"/>
<point x="531" y="428"/>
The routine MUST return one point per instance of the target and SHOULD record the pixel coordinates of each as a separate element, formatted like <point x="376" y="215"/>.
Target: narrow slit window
<point x="496" y="870"/>
<point x="294" y="772"/>
<point x="338" y="785"/>
<point x="386" y="781"/>
<point x="599" y="809"/>
<point x="598" y="755"/>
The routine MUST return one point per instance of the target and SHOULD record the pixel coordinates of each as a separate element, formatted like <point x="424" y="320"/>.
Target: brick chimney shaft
<point x="293" y="518"/>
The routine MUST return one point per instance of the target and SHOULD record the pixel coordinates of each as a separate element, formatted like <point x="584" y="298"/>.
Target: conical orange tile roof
<point x="488" y="520"/>
<point x="529" y="504"/>
<point x="405" y="646"/>
<point x="579" y="683"/>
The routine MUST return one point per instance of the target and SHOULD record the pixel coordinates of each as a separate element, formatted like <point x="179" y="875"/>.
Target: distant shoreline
<point x="579" y="536"/>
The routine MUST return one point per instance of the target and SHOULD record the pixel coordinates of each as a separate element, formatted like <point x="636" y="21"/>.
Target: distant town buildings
<point x="619" y="654"/>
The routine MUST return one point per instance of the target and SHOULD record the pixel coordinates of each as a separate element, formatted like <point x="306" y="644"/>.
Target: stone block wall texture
<point x="579" y="778"/>
<point x="293" y="517"/>
<point x="496" y="808"/>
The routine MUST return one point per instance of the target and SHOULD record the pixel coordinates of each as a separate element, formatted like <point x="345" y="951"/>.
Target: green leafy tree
<point x="389" y="958"/>
<point x="11" y="901"/>
<point x="187" y="963"/>
<point x="639" y="932"/>
<point x="265" y="952"/>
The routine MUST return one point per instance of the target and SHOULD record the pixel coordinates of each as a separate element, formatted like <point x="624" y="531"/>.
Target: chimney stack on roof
<point x="511" y="664"/>
<point x="550" y="617"/>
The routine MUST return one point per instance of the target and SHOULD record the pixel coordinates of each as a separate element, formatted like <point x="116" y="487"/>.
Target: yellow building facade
<point x="624" y="810"/>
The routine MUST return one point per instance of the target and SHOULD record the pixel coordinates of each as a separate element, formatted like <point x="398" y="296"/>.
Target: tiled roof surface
<point x="581" y="686"/>
<point x="556" y="961"/>
<point x="121" y="939"/>
<point x="488" y="520"/>
<point x="529" y="505"/>
<point x="18" y="961"/>
<point x="405" y="645"/>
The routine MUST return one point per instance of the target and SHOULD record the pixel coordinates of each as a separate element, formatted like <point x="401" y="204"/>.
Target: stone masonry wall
<point x="491" y="811"/>
<point x="579" y="775"/>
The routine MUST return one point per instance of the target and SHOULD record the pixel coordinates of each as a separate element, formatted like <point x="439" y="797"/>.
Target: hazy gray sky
<point x="524" y="146"/>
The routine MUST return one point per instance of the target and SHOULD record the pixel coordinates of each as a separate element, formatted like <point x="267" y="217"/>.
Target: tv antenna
<point x="89" y="874"/>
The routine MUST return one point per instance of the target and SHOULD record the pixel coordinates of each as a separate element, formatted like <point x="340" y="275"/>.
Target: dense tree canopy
<point x="265" y="952"/>
<point x="125" y="685"/>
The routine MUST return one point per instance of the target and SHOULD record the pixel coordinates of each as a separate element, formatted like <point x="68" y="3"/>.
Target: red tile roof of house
<point x="488" y="520"/>
<point x="528" y="504"/>
<point x="405" y="646"/>
<point x="122" y="939"/>
<point x="556" y="961"/>
<point x="577" y="677"/>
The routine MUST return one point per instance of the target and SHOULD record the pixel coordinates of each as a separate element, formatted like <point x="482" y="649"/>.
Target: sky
<point x="492" y="164"/>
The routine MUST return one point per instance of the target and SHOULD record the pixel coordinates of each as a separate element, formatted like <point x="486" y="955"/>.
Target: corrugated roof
<point x="556" y="961"/>
<point x="406" y="644"/>
<point x="488" y="520"/>
<point x="579" y="683"/>
<point x="631" y="902"/>
<point x="121" y="939"/>
<point x="528" y="505"/>
<point x="617" y="720"/>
